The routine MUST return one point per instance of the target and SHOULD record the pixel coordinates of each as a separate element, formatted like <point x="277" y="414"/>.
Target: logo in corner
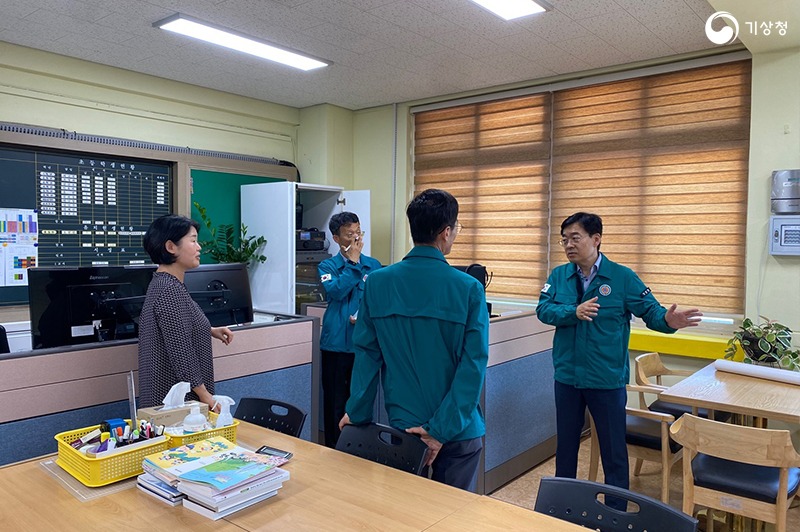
<point x="725" y="35"/>
<point x="604" y="290"/>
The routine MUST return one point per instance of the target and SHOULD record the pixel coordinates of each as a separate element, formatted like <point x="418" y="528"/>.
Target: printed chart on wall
<point x="70" y="209"/>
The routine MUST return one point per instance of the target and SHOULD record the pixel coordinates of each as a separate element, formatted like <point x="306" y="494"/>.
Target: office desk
<point x="328" y="490"/>
<point x="740" y="394"/>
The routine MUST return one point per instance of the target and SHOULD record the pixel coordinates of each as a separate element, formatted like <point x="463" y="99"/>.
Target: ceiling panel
<point x="383" y="51"/>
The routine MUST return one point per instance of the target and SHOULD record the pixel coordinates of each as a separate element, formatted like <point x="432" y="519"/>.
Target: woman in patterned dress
<point x="174" y="334"/>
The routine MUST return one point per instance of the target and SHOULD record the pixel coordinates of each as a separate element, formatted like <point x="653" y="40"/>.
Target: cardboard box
<point x="174" y="416"/>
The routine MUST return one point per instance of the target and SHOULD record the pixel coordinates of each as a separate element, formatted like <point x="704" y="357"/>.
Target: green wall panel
<point x="218" y="192"/>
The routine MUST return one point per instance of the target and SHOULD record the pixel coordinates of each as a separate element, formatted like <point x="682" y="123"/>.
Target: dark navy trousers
<point x="607" y="408"/>
<point x="457" y="464"/>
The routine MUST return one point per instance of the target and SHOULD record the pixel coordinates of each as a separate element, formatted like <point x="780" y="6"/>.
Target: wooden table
<point x="740" y="394"/>
<point x="328" y="490"/>
<point x="491" y="515"/>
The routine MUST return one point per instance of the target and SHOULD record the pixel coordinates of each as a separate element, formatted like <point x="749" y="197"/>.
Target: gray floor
<point x="522" y="491"/>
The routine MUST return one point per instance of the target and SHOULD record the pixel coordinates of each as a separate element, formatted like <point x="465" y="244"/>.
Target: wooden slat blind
<point x="494" y="158"/>
<point x="663" y="160"/>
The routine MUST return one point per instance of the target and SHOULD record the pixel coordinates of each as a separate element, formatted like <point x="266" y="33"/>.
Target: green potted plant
<point x="769" y="344"/>
<point x="223" y="247"/>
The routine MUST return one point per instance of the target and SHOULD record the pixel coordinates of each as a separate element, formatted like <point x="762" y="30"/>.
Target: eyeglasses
<point x="353" y="234"/>
<point x="456" y="228"/>
<point x="575" y="239"/>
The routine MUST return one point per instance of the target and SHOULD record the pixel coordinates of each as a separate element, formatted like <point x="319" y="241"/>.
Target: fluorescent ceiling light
<point x="205" y="32"/>
<point x="511" y="9"/>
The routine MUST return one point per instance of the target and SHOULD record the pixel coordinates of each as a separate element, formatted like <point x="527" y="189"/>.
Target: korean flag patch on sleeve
<point x="325" y="277"/>
<point x="545" y="288"/>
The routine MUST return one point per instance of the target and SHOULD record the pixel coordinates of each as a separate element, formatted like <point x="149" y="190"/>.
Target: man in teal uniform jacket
<point x="343" y="277"/>
<point x="423" y="326"/>
<point x="590" y="301"/>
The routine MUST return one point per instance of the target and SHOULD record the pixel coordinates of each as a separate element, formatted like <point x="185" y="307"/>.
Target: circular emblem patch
<point x="605" y="290"/>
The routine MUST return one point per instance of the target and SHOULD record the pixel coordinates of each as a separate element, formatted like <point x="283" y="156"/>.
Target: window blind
<point x="494" y="157"/>
<point x="662" y="158"/>
<point x="664" y="161"/>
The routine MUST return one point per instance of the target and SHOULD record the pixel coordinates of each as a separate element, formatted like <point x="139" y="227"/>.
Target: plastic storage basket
<point x="229" y="433"/>
<point x="94" y="472"/>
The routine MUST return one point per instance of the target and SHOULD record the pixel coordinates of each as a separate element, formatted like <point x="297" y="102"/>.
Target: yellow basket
<point x="94" y="472"/>
<point x="229" y="433"/>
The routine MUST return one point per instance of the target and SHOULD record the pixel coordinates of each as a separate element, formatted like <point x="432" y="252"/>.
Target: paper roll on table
<point x="760" y="372"/>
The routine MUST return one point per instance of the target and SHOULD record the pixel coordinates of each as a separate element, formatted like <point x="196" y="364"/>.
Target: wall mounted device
<point x="784" y="235"/>
<point x="784" y="224"/>
<point x="786" y="192"/>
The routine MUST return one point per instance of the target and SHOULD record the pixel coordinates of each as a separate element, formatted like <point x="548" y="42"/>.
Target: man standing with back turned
<point x="423" y="326"/>
<point x="590" y="301"/>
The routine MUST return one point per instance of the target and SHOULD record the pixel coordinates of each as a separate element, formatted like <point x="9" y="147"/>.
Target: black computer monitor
<point x="222" y="291"/>
<point x="71" y="306"/>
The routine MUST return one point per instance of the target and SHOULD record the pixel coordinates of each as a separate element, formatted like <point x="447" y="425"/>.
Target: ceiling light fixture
<point x="511" y="9"/>
<point x="206" y="32"/>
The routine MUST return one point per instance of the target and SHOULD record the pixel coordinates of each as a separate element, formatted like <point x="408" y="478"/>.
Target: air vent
<point x="127" y="143"/>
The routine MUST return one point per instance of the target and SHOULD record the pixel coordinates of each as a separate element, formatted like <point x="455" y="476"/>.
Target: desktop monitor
<point x="222" y="291"/>
<point x="71" y="306"/>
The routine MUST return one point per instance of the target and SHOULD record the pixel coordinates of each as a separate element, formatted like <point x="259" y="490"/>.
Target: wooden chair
<point x="649" y="366"/>
<point x="577" y="501"/>
<point x="748" y="471"/>
<point x="271" y="414"/>
<point x="384" y="445"/>
<point x="647" y="436"/>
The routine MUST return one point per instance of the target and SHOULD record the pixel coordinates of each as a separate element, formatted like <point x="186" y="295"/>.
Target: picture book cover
<point x="171" y="458"/>
<point x="212" y="497"/>
<point x="229" y="468"/>
<point x="214" y="461"/>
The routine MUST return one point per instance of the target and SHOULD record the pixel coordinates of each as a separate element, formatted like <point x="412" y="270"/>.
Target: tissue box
<point x="174" y="416"/>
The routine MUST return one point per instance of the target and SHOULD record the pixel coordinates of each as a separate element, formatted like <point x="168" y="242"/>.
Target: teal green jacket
<point x="423" y="329"/>
<point x="343" y="282"/>
<point x="594" y="354"/>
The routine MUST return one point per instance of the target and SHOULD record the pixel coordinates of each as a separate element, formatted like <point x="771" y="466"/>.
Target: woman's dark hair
<point x="343" y="218"/>
<point x="591" y="223"/>
<point x="430" y="213"/>
<point x="164" y="228"/>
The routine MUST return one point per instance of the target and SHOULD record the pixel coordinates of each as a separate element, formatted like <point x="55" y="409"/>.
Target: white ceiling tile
<point x="650" y="10"/>
<point x="553" y="26"/>
<point x="414" y="18"/>
<point x="701" y="8"/>
<point x="438" y="6"/>
<point x="384" y="51"/>
<point x="580" y="9"/>
<point x="603" y="54"/>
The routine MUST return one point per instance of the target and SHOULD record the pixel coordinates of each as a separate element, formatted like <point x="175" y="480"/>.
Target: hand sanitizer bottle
<point x="194" y="422"/>
<point x="225" y="418"/>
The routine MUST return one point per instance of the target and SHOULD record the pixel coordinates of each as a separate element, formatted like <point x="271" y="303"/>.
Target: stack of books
<point x="216" y="476"/>
<point x="159" y="489"/>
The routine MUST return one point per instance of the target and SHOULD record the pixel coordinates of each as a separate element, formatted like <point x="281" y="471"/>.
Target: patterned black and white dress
<point x="174" y="342"/>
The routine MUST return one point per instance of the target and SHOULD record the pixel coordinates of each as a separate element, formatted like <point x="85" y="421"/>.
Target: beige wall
<point x="773" y="283"/>
<point x="49" y="90"/>
<point x="325" y="146"/>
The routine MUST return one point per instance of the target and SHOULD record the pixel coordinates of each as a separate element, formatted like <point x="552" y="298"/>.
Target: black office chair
<point x="576" y="501"/>
<point x="271" y="414"/>
<point x="384" y="445"/>
<point x="4" y="341"/>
